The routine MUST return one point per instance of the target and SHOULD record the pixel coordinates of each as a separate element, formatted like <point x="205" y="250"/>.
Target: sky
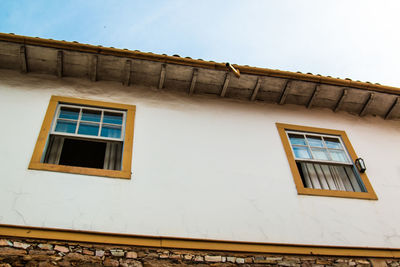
<point x="357" y="39"/>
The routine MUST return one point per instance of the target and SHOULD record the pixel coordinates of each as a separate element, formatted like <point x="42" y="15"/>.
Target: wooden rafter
<point x="285" y="92"/>
<point x="163" y="73"/>
<point x="23" y="59"/>
<point x="126" y="73"/>
<point x="225" y="85"/>
<point x="193" y="82"/>
<point x="93" y="68"/>
<point x="367" y="104"/>
<point x="256" y="88"/>
<point x="390" y="111"/>
<point x="60" y="58"/>
<point x="341" y="100"/>
<point x="314" y="95"/>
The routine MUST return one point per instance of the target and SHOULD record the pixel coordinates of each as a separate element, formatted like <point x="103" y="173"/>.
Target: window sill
<point x="336" y="193"/>
<point x="79" y="170"/>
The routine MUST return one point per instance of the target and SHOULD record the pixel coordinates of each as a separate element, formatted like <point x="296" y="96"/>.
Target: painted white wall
<point x="203" y="167"/>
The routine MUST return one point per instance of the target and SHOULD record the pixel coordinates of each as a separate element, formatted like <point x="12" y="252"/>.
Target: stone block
<point x="239" y="260"/>
<point x="378" y="262"/>
<point x="231" y="259"/>
<point x="130" y="263"/>
<point x="163" y="256"/>
<point x="87" y="252"/>
<point x="21" y="245"/>
<point x="111" y="262"/>
<point x="248" y="260"/>
<point x="81" y="258"/>
<point x="188" y="257"/>
<point x="99" y="253"/>
<point x="61" y="249"/>
<point x="199" y="258"/>
<point x="117" y="252"/>
<point x="45" y="246"/>
<point x="131" y="255"/>
<point x="5" y="242"/>
<point x="213" y="258"/>
<point x="323" y="262"/>
<point x="175" y="256"/>
<point x="6" y="251"/>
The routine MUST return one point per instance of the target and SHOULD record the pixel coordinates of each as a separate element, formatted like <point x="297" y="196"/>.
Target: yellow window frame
<point x="301" y="190"/>
<point x="38" y="152"/>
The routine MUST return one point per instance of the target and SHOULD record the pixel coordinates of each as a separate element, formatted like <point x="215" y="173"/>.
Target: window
<point x="85" y="137"/>
<point x="322" y="162"/>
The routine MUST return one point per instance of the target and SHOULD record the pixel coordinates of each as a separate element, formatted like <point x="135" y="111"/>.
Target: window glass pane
<point x="91" y="115"/>
<point x="301" y="152"/>
<point x="111" y="117"/>
<point x="88" y="129"/>
<point x="320" y="153"/>
<point x="111" y="131"/>
<point x="65" y="126"/>
<point x="296" y="139"/>
<point x="69" y="113"/>
<point x="332" y="142"/>
<point x="315" y="141"/>
<point x="338" y="155"/>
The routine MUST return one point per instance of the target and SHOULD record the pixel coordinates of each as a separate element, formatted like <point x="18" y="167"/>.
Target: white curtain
<point x="331" y="177"/>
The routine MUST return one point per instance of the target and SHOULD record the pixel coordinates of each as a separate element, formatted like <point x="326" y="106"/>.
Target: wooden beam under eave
<point x="284" y="93"/>
<point x="163" y="73"/>
<point x="225" y="85"/>
<point x="390" y="111"/>
<point x="314" y="95"/>
<point x="341" y="100"/>
<point x="93" y="68"/>
<point x="193" y="82"/>
<point x="256" y="89"/>
<point x="60" y="58"/>
<point x="367" y="104"/>
<point x="23" y="59"/>
<point x="126" y="73"/>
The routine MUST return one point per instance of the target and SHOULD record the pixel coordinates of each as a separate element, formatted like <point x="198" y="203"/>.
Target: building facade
<point x="116" y="157"/>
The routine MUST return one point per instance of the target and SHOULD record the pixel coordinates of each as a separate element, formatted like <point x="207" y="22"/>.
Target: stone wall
<point x="33" y="252"/>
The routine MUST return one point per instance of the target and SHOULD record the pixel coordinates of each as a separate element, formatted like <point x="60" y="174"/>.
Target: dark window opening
<point x="82" y="153"/>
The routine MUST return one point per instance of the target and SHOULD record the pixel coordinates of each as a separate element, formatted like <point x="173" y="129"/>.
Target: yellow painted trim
<point x="301" y="190"/>
<point x="36" y="164"/>
<point x="75" y="46"/>
<point x="191" y="243"/>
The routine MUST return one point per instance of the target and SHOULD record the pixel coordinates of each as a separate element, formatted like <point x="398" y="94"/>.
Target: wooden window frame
<point x="39" y="150"/>
<point x="301" y="190"/>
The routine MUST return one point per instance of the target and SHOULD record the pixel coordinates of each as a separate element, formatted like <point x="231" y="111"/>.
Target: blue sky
<point x="357" y="39"/>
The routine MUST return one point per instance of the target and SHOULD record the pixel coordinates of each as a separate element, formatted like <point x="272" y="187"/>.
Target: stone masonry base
<point x="44" y="253"/>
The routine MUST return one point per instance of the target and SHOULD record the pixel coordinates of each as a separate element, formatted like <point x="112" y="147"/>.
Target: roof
<point x="196" y="76"/>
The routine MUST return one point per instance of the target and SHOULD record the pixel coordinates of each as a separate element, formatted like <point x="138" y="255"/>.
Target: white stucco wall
<point x="203" y="167"/>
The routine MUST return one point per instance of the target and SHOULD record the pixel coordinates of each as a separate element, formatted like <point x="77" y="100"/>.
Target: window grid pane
<point x="87" y="122"/>
<point x="330" y="147"/>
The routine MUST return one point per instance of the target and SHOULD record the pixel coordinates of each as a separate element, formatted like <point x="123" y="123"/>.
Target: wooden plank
<point x="126" y="73"/>
<point x="314" y="95"/>
<point x="367" y="104"/>
<point x="23" y="59"/>
<point x="60" y="57"/>
<point x="390" y="111"/>
<point x="225" y="85"/>
<point x="93" y="68"/>
<point x="256" y="88"/>
<point x="341" y="100"/>
<point x="284" y="93"/>
<point x="193" y="83"/>
<point x="162" y="76"/>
